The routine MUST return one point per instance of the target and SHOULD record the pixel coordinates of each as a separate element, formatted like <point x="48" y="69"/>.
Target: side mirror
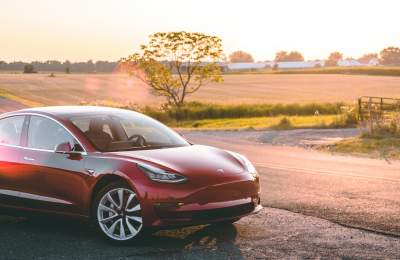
<point x="64" y="148"/>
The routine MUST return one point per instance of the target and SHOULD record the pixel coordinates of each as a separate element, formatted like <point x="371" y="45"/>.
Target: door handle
<point x="28" y="158"/>
<point x="91" y="171"/>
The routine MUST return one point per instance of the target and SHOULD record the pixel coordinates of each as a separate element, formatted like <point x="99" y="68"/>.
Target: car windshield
<point x="125" y="130"/>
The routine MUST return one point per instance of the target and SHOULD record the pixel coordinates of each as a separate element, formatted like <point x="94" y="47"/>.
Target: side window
<point x="46" y="134"/>
<point x="11" y="129"/>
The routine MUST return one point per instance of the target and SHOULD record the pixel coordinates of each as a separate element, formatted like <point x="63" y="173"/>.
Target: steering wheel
<point x="140" y="140"/>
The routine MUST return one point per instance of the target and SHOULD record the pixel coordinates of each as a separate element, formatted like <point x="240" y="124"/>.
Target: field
<point x="40" y="89"/>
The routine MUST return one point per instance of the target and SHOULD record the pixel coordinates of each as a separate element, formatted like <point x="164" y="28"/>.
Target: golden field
<point x="64" y="89"/>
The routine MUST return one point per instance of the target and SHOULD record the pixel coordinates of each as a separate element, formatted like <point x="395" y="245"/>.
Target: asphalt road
<point x="359" y="192"/>
<point x="323" y="189"/>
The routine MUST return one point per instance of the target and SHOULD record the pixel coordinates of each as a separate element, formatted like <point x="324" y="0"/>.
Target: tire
<point x="117" y="221"/>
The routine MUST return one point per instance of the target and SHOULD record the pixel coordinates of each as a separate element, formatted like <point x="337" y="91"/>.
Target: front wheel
<point x="117" y="213"/>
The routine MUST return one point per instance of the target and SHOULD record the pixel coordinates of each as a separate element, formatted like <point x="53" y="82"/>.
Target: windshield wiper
<point x="146" y="148"/>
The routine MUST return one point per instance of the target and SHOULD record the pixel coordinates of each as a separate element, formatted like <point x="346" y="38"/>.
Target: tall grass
<point x="197" y="111"/>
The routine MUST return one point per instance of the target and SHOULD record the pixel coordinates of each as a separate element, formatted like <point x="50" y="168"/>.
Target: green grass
<point x="197" y="110"/>
<point x="377" y="71"/>
<point x="278" y="122"/>
<point x="385" y="147"/>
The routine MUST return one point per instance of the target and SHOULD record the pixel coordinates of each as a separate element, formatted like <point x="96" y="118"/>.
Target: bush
<point x="284" y="123"/>
<point x="29" y="68"/>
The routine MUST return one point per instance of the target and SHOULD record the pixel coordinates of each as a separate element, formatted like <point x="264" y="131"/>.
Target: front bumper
<point x="209" y="213"/>
<point x="195" y="202"/>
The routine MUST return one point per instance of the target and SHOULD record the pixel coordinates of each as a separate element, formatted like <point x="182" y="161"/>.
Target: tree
<point x="281" y="56"/>
<point x="333" y="59"/>
<point x="390" y="56"/>
<point x="240" y="56"/>
<point x="367" y="58"/>
<point x="29" y="68"/>
<point x="295" y="56"/>
<point x="176" y="64"/>
<point x="291" y="56"/>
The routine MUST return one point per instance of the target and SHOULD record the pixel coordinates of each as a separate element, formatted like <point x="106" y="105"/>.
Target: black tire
<point x="99" y="198"/>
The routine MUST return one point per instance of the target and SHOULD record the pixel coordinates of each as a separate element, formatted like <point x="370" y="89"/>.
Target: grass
<point x="386" y="147"/>
<point x="197" y="110"/>
<point x="278" y="122"/>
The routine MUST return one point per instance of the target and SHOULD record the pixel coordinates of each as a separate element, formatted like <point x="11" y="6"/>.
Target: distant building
<point x="248" y="65"/>
<point x="298" y="64"/>
<point x="373" y="62"/>
<point x="356" y="63"/>
<point x="349" y="63"/>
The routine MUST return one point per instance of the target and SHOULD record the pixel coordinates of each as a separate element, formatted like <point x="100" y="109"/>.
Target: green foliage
<point x="348" y="118"/>
<point x="196" y="110"/>
<point x="176" y="64"/>
<point x="276" y="122"/>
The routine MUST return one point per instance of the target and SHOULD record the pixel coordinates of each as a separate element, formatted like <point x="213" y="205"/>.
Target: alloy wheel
<point x="119" y="214"/>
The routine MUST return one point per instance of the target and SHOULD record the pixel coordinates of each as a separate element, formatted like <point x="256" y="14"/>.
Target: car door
<point x="12" y="165"/>
<point x="57" y="181"/>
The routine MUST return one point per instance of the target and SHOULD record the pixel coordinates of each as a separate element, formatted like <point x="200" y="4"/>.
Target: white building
<point x="248" y="65"/>
<point x="356" y="63"/>
<point x="298" y="64"/>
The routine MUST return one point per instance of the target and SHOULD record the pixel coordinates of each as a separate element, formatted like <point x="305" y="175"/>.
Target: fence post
<point x="360" y="116"/>
<point x="371" y="123"/>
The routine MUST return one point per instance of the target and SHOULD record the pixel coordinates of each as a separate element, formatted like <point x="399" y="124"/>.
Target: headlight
<point x="159" y="175"/>
<point x="248" y="165"/>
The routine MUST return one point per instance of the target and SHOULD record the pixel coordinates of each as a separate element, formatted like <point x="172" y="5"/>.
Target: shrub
<point x="29" y="68"/>
<point x="283" y="124"/>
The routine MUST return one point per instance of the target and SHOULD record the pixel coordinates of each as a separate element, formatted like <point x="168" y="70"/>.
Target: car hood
<point x="189" y="160"/>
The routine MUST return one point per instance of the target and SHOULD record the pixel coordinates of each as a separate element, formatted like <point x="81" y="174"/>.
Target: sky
<point x="79" y="30"/>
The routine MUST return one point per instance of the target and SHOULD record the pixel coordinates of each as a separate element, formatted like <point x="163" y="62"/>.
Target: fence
<point x="378" y="111"/>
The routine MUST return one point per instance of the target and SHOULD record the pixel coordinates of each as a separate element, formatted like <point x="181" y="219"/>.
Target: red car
<point x="123" y="170"/>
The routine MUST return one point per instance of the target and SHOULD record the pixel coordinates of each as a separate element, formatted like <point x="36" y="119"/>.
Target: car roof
<point x="70" y="111"/>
